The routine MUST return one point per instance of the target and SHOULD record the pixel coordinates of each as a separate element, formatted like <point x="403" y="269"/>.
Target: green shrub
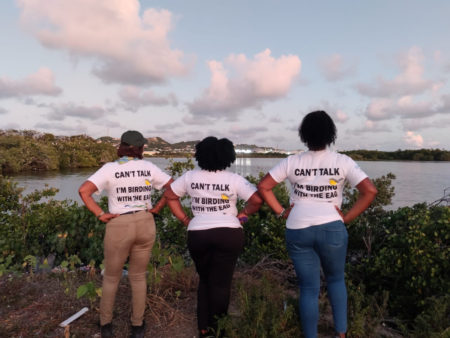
<point x="264" y="232"/>
<point x="412" y="262"/>
<point x="264" y="310"/>
<point x="368" y="229"/>
<point x="434" y="320"/>
<point x="365" y="312"/>
<point x="37" y="225"/>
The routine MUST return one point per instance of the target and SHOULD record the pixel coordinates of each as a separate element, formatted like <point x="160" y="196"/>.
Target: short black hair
<point x="317" y="130"/>
<point x="213" y="154"/>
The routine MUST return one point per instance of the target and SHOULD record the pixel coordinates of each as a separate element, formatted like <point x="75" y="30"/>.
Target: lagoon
<point x="415" y="182"/>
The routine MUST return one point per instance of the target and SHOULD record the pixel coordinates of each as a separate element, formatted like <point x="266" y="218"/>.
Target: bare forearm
<point x="253" y="204"/>
<point x="92" y="205"/>
<point x="163" y="200"/>
<point x="86" y="190"/>
<point x="265" y="190"/>
<point x="251" y="208"/>
<point x="86" y="196"/>
<point x="159" y="205"/>
<point x="358" y="208"/>
<point x="367" y="193"/>
<point x="178" y="211"/>
<point x="271" y="200"/>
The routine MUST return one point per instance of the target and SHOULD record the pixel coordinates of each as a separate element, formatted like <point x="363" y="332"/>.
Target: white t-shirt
<point x="317" y="179"/>
<point x="213" y="197"/>
<point x="129" y="184"/>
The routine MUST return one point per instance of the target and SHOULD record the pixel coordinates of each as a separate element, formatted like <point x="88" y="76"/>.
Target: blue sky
<point x="248" y="71"/>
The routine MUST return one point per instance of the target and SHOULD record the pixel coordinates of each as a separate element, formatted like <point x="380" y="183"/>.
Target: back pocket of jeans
<point x="336" y="237"/>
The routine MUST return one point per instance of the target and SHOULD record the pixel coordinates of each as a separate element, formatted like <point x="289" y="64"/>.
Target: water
<point x="416" y="182"/>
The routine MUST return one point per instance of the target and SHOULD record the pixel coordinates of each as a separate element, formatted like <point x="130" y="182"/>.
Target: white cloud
<point x="75" y="127"/>
<point x="135" y="98"/>
<point x="433" y="144"/>
<point x="444" y="104"/>
<point x="335" y="68"/>
<point x="197" y="121"/>
<point x="413" y="139"/>
<point x="336" y="114"/>
<point x="128" y="46"/>
<point x="407" y="107"/>
<point x="11" y="125"/>
<point x="440" y="59"/>
<point x="3" y="111"/>
<point x="60" y="112"/>
<point x="57" y="128"/>
<point x="246" y="83"/>
<point x="409" y="82"/>
<point x="275" y="119"/>
<point x="248" y="132"/>
<point x="168" y="126"/>
<point x="39" y="83"/>
<point x="370" y="127"/>
<point x="424" y="123"/>
<point x="164" y="129"/>
<point x="341" y="116"/>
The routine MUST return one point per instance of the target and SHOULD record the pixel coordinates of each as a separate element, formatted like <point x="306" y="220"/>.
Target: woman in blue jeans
<point x="316" y="235"/>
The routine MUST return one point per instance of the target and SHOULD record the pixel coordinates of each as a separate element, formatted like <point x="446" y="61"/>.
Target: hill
<point x="157" y="146"/>
<point x="157" y="142"/>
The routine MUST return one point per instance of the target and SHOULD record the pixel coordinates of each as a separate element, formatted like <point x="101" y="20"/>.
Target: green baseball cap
<point x="133" y="138"/>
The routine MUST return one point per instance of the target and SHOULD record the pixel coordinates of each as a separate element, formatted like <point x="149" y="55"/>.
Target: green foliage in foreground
<point x="398" y="269"/>
<point x="29" y="150"/>
<point x="265" y="311"/>
<point x="410" y="259"/>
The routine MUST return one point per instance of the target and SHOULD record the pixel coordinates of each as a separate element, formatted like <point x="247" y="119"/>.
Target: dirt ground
<point x="34" y="306"/>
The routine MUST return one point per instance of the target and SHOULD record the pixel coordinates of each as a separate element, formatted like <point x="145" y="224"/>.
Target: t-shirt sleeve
<point x="245" y="189"/>
<point x="179" y="185"/>
<point x="280" y="172"/>
<point x="159" y="177"/>
<point x="100" y="178"/>
<point x="354" y="173"/>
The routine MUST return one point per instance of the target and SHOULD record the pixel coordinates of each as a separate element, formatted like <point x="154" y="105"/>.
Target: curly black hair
<point x="213" y="154"/>
<point x="317" y="130"/>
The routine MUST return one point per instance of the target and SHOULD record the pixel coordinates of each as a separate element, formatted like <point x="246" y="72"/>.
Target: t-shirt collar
<point x="125" y="159"/>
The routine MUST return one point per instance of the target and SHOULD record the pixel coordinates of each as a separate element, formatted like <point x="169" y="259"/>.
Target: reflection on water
<point x="253" y="166"/>
<point x="416" y="182"/>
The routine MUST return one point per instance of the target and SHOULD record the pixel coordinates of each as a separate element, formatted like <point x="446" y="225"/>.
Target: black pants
<point x="215" y="253"/>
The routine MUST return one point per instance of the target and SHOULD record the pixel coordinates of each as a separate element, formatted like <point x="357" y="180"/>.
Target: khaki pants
<point x="128" y="236"/>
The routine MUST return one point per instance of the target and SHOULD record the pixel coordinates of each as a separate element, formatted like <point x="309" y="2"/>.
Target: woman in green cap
<point x="130" y="227"/>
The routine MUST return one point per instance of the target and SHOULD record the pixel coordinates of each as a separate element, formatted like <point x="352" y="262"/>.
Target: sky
<point x="245" y="70"/>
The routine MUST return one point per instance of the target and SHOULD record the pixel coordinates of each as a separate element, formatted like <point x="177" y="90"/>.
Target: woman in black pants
<point x="215" y="235"/>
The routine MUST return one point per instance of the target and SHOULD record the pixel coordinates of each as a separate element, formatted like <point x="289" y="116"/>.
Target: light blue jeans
<point x="309" y="248"/>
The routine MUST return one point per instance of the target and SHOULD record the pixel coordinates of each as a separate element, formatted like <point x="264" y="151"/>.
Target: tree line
<point x="31" y="150"/>
<point x="399" y="155"/>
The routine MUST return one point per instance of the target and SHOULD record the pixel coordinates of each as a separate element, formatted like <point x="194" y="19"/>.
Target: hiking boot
<point x="107" y="331"/>
<point x="138" y="331"/>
